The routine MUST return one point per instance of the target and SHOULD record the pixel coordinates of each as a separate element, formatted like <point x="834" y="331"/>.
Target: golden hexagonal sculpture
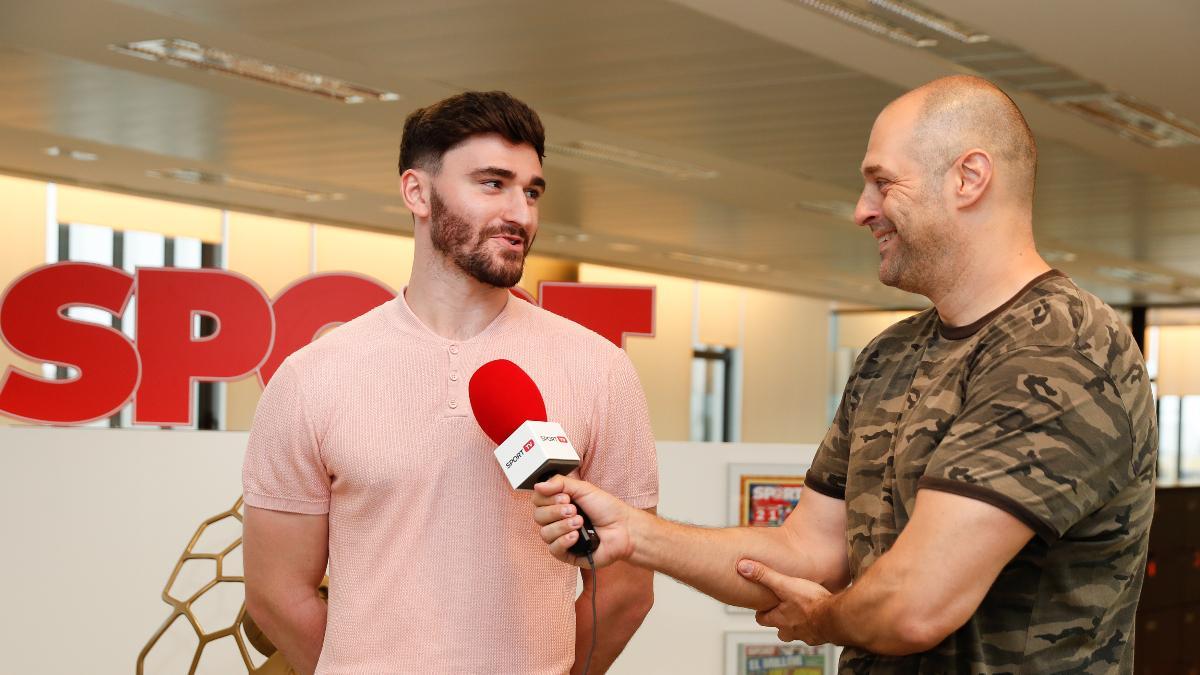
<point x="240" y="627"/>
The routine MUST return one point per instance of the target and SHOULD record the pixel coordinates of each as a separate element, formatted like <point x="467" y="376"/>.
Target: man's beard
<point x="451" y="235"/>
<point x="922" y="258"/>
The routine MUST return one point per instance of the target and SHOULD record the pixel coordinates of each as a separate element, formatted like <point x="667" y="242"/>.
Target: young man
<point x="988" y="481"/>
<point x="365" y="454"/>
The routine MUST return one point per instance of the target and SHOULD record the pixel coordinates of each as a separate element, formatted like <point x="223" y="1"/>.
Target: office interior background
<point x="706" y="148"/>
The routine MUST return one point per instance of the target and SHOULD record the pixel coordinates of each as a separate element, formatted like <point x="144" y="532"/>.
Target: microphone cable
<point x="595" y="584"/>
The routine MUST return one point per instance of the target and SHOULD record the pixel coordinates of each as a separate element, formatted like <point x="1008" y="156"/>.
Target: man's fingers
<point x="761" y="574"/>
<point x="544" y="515"/>
<point x="544" y="493"/>
<point x="565" y="484"/>
<point x="771" y="619"/>
<point x="556" y="530"/>
<point x="558" y="547"/>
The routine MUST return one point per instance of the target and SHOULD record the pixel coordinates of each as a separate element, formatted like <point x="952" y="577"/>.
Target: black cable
<point x="595" y="583"/>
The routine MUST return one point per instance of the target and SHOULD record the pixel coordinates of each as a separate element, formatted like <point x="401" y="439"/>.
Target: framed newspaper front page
<point x="763" y="495"/>
<point x="761" y="653"/>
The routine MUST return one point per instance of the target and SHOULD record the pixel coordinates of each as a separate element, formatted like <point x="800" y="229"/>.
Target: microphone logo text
<point x="520" y="453"/>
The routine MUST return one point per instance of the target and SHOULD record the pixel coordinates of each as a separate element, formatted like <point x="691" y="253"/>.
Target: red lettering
<point x="173" y="358"/>
<point x="614" y="312"/>
<point x="315" y="303"/>
<point x="252" y="334"/>
<point x="34" y="325"/>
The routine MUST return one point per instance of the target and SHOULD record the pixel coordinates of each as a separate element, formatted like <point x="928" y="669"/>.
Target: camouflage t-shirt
<point x="1043" y="409"/>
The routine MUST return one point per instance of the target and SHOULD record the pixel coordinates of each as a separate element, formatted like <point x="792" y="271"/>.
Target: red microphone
<point x="503" y="398"/>
<point x="509" y="408"/>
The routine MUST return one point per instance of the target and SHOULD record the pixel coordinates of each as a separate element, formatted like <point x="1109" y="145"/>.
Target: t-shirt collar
<point x="410" y="323"/>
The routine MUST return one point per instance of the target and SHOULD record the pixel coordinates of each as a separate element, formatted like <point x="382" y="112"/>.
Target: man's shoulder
<point x="339" y="345"/>
<point x="1058" y="315"/>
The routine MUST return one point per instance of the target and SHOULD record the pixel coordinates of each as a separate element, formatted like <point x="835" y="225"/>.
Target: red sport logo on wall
<point x="254" y="333"/>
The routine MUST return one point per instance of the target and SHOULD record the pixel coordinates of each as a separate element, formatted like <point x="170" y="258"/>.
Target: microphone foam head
<point x="503" y="397"/>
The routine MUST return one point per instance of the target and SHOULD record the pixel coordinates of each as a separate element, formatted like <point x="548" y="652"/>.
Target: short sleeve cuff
<point x="817" y="483"/>
<point x="647" y="500"/>
<point x="1001" y="501"/>
<point x="258" y="501"/>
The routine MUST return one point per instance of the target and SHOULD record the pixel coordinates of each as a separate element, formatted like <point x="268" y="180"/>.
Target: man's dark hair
<point x="432" y="131"/>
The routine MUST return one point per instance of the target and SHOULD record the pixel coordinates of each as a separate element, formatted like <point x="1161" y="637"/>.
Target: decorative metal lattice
<point x="240" y="628"/>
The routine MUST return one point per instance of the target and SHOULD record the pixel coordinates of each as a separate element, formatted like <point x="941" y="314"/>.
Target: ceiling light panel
<point x="77" y="155"/>
<point x="1135" y="120"/>
<point x="1016" y="69"/>
<point x="864" y="20"/>
<point x="188" y="54"/>
<point x="194" y="177"/>
<point x="932" y="20"/>
<point x="635" y="160"/>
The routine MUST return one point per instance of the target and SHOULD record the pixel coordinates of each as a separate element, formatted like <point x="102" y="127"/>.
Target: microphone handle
<point x="588" y="540"/>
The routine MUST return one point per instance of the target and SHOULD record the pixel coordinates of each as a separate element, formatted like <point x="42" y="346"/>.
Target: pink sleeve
<point x="283" y="469"/>
<point x="621" y="458"/>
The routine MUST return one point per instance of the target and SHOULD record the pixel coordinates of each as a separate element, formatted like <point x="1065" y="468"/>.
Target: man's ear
<point x="972" y="177"/>
<point x="415" y="188"/>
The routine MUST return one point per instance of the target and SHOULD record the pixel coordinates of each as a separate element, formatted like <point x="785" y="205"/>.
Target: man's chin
<point x="500" y="279"/>
<point x="888" y="277"/>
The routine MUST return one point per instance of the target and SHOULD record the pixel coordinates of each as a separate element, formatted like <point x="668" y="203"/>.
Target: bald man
<point x="982" y="501"/>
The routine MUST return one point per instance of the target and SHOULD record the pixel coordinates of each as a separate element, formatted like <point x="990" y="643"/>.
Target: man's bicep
<point x="816" y="531"/>
<point x="951" y="552"/>
<point x="1042" y="433"/>
<point x="284" y="550"/>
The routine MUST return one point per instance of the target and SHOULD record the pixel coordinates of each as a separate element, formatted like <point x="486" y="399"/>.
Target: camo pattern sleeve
<point x="1043" y="434"/>
<point x="827" y="474"/>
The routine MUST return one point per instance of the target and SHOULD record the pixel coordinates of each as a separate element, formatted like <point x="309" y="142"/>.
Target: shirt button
<point x="454" y="377"/>
<point x="453" y="349"/>
<point x="453" y="405"/>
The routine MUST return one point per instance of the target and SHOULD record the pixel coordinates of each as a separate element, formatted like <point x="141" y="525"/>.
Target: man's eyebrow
<point x="536" y="181"/>
<point x="494" y="171"/>
<point x="871" y="170"/>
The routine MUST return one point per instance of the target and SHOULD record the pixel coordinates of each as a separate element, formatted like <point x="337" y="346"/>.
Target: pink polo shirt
<point x="435" y="563"/>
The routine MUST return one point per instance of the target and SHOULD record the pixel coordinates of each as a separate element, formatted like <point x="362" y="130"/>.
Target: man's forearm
<point x="297" y="629"/>
<point x="619" y="614"/>
<point x="706" y="558"/>
<point x="877" y="615"/>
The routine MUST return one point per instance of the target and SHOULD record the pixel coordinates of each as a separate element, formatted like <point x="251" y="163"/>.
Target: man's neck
<point x="987" y="283"/>
<point x="451" y="303"/>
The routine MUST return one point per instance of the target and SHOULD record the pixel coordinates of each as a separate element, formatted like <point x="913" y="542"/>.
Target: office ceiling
<point x="759" y="111"/>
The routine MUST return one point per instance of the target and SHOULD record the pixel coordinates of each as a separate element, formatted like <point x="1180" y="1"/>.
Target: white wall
<point x="786" y="368"/>
<point x="95" y="520"/>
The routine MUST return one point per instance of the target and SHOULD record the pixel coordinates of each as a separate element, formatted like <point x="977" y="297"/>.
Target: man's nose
<point x="866" y="210"/>
<point x="518" y="211"/>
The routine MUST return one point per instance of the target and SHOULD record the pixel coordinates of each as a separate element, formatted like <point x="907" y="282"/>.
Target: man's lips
<point x="512" y="241"/>
<point x="884" y="235"/>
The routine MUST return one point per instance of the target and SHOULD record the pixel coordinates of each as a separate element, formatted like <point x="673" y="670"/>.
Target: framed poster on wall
<point x="761" y="653"/>
<point x="763" y="495"/>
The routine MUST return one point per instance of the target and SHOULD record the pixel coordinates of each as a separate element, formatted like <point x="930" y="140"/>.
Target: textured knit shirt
<point x="1042" y="409"/>
<point x="435" y="562"/>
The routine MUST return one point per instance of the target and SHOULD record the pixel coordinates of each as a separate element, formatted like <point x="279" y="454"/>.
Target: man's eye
<point x="533" y="194"/>
<point x="492" y="183"/>
<point x="882" y="185"/>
